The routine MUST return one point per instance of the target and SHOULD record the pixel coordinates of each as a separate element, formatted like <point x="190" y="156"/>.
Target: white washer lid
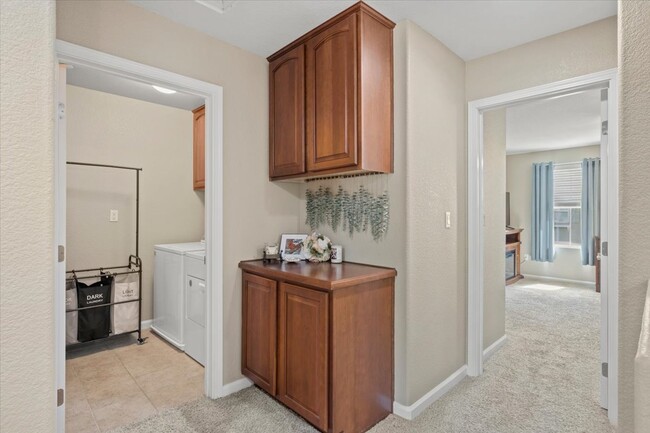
<point x="199" y="255"/>
<point x="181" y="248"/>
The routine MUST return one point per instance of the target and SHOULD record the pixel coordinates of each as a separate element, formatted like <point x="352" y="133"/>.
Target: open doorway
<point x="544" y="267"/>
<point x="542" y="182"/>
<point x="109" y="125"/>
<point x="135" y="249"/>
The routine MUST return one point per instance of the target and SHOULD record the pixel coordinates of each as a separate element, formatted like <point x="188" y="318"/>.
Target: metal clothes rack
<point x="134" y="265"/>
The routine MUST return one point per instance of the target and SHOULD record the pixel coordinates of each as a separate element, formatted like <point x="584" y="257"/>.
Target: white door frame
<point x="475" y="210"/>
<point x="71" y="54"/>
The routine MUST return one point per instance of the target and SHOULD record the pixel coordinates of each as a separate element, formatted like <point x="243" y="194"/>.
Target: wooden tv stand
<point x="513" y="243"/>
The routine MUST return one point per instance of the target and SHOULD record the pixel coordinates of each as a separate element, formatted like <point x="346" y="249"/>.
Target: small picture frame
<point x="291" y="246"/>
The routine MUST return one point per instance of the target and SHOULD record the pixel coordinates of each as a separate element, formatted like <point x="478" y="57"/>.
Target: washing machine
<point x="168" y="290"/>
<point x="195" y="305"/>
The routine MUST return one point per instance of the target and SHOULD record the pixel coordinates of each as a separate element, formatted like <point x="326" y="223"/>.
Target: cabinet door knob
<point x="190" y="283"/>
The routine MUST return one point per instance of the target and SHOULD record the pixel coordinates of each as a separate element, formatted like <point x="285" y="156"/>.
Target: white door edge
<point x="60" y="240"/>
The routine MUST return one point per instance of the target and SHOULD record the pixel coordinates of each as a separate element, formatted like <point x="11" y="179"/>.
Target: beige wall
<point x="586" y="49"/>
<point x="429" y="179"/>
<point x="567" y="264"/>
<point x="110" y="129"/>
<point x="634" y="205"/>
<point x="255" y="211"/>
<point x="435" y="173"/>
<point x="494" y="261"/>
<point x="27" y="377"/>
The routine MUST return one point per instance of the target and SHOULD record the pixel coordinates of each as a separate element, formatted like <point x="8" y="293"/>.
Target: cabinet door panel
<point x="199" y="148"/>
<point x="287" y="114"/>
<point x="332" y="97"/>
<point x="302" y="352"/>
<point x="259" y="328"/>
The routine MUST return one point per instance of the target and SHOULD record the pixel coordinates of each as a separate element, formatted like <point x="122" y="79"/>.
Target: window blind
<point x="567" y="184"/>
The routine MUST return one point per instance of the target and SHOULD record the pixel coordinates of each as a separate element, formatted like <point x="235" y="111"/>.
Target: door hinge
<point x="61" y="255"/>
<point x="60" y="397"/>
<point x="605" y="369"/>
<point x="603" y="248"/>
<point x="605" y="127"/>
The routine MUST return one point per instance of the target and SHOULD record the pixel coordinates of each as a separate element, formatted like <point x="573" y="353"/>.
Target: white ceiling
<point x="556" y="123"/>
<point x="109" y="83"/>
<point x="470" y="28"/>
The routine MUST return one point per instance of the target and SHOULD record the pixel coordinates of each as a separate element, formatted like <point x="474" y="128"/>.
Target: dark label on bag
<point x="97" y="298"/>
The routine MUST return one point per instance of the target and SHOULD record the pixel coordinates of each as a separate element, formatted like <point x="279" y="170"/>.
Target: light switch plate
<point x="114" y="215"/>
<point x="447" y="219"/>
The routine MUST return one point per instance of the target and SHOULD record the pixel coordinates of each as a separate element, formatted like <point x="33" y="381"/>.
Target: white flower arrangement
<point x="317" y="248"/>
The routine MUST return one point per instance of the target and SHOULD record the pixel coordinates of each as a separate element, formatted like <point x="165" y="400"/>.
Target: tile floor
<point x="117" y="382"/>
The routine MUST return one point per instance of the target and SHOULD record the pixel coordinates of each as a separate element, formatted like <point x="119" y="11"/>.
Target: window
<point x="567" y="194"/>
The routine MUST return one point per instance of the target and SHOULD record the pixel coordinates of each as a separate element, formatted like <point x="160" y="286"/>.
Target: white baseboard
<point x="494" y="347"/>
<point x="560" y="280"/>
<point x="412" y="411"/>
<point x="238" y="385"/>
<point x="146" y="324"/>
<point x="171" y="341"/>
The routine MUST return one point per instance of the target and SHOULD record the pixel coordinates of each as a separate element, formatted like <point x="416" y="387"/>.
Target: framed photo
<point x="291" y="246"/>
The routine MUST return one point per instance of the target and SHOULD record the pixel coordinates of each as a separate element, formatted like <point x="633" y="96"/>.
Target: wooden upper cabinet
<point x="199" y="148"/>
<point x="287" y="114"/>
<point x="331" y="98"/>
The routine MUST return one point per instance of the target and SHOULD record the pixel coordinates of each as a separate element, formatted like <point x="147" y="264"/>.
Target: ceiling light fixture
<point x="163" y="90"/>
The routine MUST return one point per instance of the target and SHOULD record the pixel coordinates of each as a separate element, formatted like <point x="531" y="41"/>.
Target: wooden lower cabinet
<point x="302" y="352"/>
<point x="259" y="327"/>
<point x="332" y="361"/>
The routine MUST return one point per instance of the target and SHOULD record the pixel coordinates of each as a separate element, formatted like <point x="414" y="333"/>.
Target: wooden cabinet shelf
<point x="320" y="336"/>
<point x="331" y="99"/>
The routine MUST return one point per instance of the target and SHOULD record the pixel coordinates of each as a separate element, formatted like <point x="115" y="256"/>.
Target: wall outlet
<point x="114" y="215"/>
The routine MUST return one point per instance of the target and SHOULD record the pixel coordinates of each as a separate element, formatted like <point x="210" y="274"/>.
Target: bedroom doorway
<point x="478" y="110"/>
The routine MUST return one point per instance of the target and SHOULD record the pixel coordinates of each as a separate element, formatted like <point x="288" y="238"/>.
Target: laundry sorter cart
<point x="105" y="302"/>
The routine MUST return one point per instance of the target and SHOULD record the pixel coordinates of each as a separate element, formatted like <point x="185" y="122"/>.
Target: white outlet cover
<point x="114" y="215"/>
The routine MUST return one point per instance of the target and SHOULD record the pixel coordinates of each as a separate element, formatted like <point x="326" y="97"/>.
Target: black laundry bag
<point x="94" y="323"/>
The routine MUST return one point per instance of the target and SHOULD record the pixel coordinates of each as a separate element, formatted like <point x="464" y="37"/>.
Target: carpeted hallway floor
<point x="544" y="379"/>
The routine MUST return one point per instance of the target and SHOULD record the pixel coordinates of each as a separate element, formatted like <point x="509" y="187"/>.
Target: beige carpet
<point x="545" y="379"/>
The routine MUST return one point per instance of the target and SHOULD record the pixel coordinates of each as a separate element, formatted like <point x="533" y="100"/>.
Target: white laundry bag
<point x="125" y="316"/>
<point x="71" y="318"/>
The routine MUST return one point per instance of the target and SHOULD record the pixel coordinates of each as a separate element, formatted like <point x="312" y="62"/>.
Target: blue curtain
<point x="590" y="209"/>
<point x="542" y="249"/>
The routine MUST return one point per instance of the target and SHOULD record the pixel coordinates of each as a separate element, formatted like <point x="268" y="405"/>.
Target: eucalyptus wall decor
<point x="353" y="204"/>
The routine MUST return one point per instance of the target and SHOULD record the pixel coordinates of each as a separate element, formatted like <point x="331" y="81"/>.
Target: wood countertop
<point x="325" y="276"/>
